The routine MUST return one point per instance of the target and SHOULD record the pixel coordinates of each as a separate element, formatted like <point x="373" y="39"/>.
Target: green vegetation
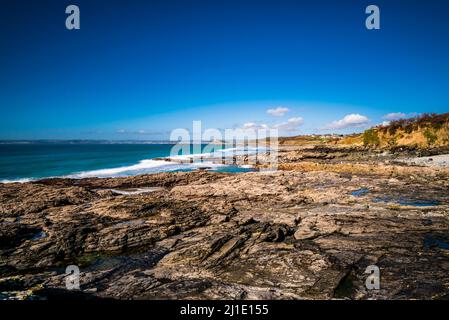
<point x="370" y="137"/>
<point x="430" y="136"/>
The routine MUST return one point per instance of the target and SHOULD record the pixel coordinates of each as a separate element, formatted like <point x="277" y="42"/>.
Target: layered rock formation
<point x="290" y="234"/>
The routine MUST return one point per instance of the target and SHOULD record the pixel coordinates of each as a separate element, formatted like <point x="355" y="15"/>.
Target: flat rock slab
<point x="203" y="235"/>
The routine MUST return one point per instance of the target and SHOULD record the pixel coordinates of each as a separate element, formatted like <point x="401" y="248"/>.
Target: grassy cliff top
<point x="426" y="130"/>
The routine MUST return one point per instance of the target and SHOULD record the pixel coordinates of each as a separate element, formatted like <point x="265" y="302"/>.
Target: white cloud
<point x="255" y="126"/>
<point x="399" y="115"/>
<point x="141" y="132"/>
<point x="385" y="123"/>
<point x="394" y="116"/>
<point x="354" y="120"/>
<point x="123" y="131"/>
<point x="278" y="112"/>
<point x="292" y="124"/>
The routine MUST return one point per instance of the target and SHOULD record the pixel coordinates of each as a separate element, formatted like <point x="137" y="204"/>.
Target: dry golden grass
<point x="352" y="140"/>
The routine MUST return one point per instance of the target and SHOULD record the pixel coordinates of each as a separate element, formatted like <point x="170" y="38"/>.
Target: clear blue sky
<point x="138" y="69"/>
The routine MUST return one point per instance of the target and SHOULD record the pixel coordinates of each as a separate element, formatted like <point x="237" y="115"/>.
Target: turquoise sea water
<point x="22" y="162"/>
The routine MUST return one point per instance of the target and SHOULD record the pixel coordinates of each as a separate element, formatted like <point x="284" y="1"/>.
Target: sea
<point x="23" y="162"/>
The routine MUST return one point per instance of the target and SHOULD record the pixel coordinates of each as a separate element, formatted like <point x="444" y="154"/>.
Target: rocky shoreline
<point x="306" y="231"/>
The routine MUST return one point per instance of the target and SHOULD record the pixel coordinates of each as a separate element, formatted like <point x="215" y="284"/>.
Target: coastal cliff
<point x="427" y="130"/>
